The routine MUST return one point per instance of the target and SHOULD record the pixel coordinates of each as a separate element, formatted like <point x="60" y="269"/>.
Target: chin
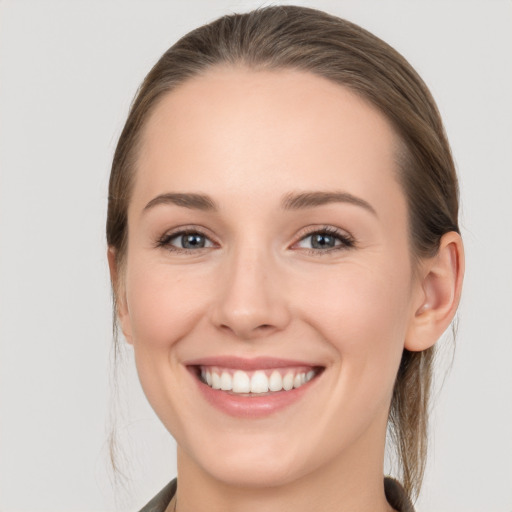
<point x="255" y="461"/>
<point x="253" y="472"/>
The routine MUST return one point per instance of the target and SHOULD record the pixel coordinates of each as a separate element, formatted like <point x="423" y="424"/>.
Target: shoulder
<point x="396" y="495"/>
<point x="160" y="502"/>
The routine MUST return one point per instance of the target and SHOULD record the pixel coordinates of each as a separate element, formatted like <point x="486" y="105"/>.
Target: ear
<point x="122" y="313"/>
<point x="438" y="294"/>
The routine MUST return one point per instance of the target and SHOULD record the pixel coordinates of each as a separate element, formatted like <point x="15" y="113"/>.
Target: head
<point x="322" y="59"/>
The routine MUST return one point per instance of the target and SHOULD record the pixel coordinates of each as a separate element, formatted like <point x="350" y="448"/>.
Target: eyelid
<point x="164" y="240"/>
<point x="347" y="240"/>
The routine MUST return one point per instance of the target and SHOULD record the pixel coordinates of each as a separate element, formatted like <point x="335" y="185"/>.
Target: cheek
<point x="163" y="304"/>
<point x="363" y="317"/>
<point x="362" y="313"/>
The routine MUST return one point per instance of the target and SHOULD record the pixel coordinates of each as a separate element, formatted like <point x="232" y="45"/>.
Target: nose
<point x="251" y="301"/>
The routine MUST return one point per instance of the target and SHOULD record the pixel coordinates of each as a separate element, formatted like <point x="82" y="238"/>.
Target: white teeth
<point x="215" y="381"/>
<point x="275" y="382"/>
<point x="288" y="381"/>
<point x="226" y="383"/>
<point x="257" y="382"/>
<point x="241" y="382"/>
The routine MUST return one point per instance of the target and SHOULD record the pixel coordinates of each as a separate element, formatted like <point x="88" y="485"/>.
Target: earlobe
<point x="441" y="287"/>
<point x="120" y="296"/>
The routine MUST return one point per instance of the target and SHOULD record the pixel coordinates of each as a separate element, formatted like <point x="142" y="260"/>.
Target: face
<point x="268" y="284"/>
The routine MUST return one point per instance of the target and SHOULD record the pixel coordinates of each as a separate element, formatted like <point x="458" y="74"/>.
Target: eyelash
<point x="347" y="241"/>
<point x="165" y="240"/>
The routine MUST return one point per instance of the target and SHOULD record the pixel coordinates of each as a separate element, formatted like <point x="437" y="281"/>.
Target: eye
<point x="189" y="240"/>
<point x="325" y="240"/>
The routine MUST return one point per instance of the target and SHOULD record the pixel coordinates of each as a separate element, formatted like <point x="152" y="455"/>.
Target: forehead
<point x="229" y="128"/>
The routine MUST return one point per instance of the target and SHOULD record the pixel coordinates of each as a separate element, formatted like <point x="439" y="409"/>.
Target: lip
<point x="249" y="364"/>
<point x="250" y="406"/>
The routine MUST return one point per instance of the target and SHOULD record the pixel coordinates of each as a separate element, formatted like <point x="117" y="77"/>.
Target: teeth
<point x="215" y="381"/>
<point x="288" y="381"/>
<point x="257" y="382"/>
<point x="275" y="382"/>
<point x="241" y="382"/>
<point x="226" y="383"/>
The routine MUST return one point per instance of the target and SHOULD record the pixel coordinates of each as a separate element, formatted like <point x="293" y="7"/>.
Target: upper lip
<point x="248" y="364"/>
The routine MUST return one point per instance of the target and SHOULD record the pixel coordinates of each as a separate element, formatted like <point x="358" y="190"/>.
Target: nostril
<point x="249" y="332"/>
<point x="262" y="327"/>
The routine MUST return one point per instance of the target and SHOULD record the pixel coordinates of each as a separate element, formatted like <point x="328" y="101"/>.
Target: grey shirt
<point x="395" y="494"/>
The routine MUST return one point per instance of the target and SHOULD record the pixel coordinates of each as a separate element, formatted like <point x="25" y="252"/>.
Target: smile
<point x="256" y="382"/>
<point x="255" y="387"/>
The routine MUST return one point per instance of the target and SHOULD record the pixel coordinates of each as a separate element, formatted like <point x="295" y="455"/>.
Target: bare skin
<point x="271" y="273"/>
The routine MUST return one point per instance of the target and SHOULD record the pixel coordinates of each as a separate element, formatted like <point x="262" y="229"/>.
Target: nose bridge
<point x="250" y="299"/>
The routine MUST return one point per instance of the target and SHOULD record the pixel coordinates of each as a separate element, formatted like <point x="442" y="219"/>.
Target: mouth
<point x="253" y="388"/>
<point x="259" y="382"/>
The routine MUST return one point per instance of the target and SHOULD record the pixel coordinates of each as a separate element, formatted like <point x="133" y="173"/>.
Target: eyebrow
<point x="193" y="201"/>
<point x="290" y="201"/>
<point x="311" y="199"/>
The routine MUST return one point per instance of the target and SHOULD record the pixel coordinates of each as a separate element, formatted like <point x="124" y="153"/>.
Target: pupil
<point x="192" y="241"/>
<point x="321" y="241"/>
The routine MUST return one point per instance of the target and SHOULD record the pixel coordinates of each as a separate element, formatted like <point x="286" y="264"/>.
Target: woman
<point x="285" y="252"/>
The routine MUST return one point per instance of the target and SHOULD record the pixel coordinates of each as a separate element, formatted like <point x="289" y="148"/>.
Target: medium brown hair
<point x="299" y="38"/>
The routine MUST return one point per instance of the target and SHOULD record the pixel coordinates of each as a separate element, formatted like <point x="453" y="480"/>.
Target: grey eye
<point x="320" y="240"/>
<point x="323" y="241"/>
<point x="193" y="241"/>
<point x="190" y="241"/>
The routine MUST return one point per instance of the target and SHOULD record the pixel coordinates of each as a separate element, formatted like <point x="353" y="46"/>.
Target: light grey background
<point x="68" y="71"/>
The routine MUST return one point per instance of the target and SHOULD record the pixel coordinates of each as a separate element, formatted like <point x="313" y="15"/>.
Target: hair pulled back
<point x="299" y="38"/>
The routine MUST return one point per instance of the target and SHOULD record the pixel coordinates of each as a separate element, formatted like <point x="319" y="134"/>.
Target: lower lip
<point x="252" y="406"/>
